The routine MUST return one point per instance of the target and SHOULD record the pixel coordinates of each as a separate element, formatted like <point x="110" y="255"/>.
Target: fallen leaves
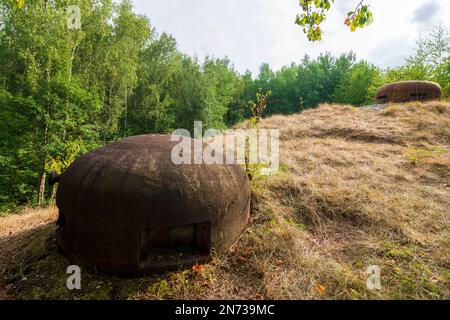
<point x="321" y="289"/>
<point x="259" y="297"/>
<point x="198" y="268"/>
<point x="242" y="259"/>
<point x="278" y="262"/>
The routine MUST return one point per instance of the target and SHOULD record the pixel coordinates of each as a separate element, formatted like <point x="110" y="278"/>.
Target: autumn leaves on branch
<point x="315" y="12"/>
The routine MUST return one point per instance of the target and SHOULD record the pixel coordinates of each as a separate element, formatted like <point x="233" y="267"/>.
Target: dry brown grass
<point x="363" y="187"/>
<point x="23" y="238"/>
<point x="358" y="187"/>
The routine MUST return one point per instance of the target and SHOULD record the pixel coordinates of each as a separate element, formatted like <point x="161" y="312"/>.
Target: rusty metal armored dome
<point x="127" y="209"/>
<point x="406" y="91"/>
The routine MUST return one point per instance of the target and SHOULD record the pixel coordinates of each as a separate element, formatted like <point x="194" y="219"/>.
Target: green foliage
<point x="225" y="88"/>
<point x="257" y="109"/>
<point x="430" y="61"/>
<point x="359" y="18"/>
<point x="40" y="88"/>
<point x="417" y="154"/>
<point x="64" y="92"/>
<point x="326" y="79"/>
<point x="314" y="13"/>
<point x="360" y="85"/>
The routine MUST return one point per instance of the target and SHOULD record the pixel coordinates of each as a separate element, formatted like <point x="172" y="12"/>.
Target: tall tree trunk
<point x="41" y="192"/>
<point x="126" y="114"/>
<point x="54" y="189"/>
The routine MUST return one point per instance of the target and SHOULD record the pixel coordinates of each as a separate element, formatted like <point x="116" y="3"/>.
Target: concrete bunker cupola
<point x="407" y="91"/>
<point x="127" y="209"/>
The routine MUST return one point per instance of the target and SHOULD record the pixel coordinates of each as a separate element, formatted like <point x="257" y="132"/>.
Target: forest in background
<point x="64" y="92"/>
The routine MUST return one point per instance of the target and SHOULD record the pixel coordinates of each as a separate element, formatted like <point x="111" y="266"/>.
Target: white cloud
<point x="251" y="32"/>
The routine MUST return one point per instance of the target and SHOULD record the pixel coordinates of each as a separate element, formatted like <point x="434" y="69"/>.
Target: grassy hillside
<point x="359" y="187"/>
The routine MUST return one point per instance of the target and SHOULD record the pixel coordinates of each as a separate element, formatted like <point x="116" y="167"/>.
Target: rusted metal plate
<point x="127" y="209"/>
<point x="406" y="91"/>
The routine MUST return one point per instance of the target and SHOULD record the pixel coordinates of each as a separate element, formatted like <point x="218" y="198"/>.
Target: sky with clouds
<point x="252" y="32"/>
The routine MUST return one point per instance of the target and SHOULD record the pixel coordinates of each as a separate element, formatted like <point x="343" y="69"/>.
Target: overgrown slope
<point x="358" y="187"/>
